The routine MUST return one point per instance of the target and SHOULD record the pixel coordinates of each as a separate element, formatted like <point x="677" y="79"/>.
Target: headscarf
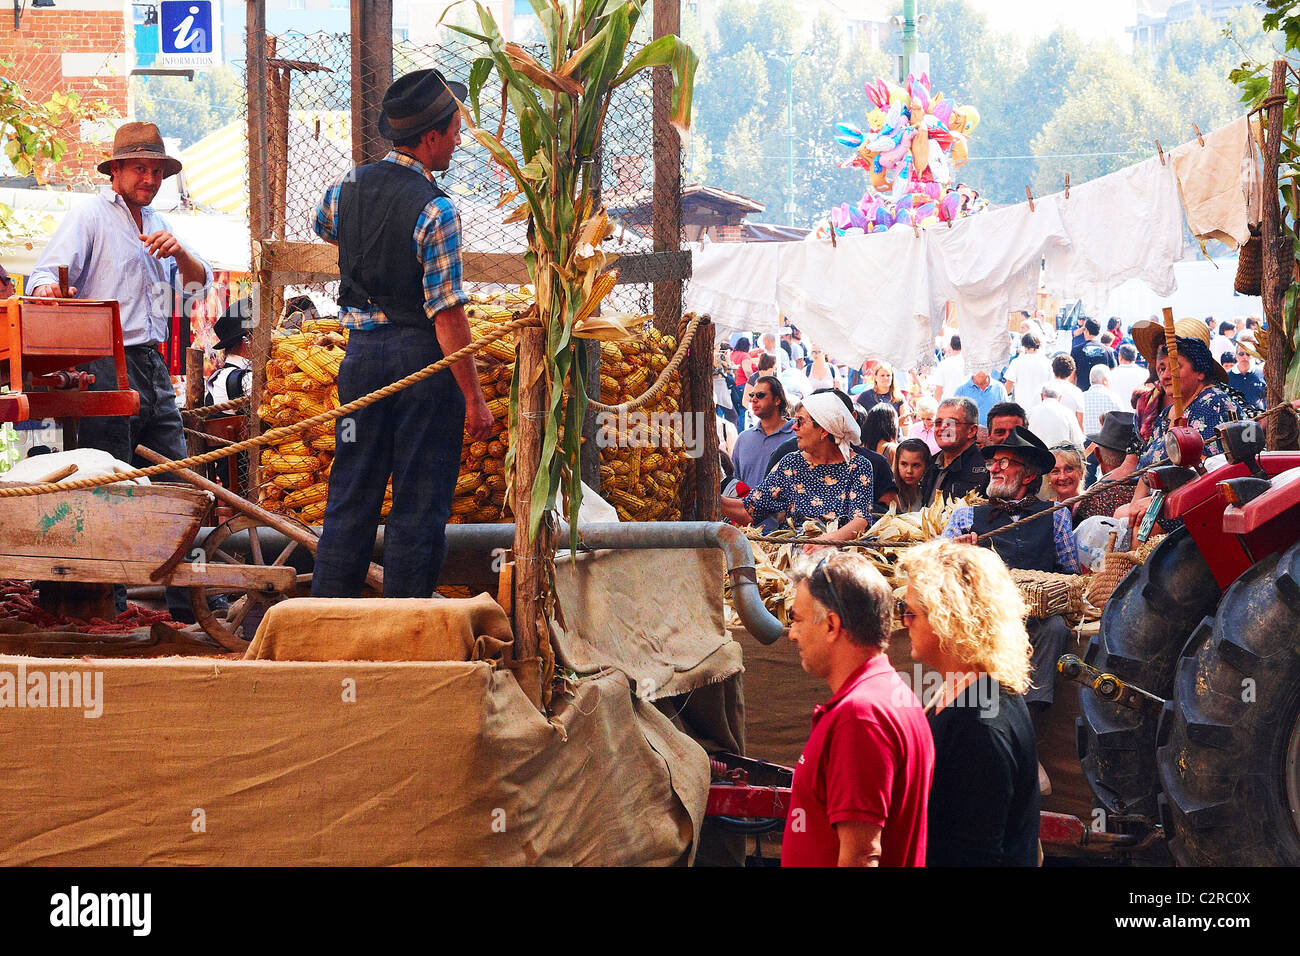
<point x="1202" y="360"/>
<point x="831" y="414"/>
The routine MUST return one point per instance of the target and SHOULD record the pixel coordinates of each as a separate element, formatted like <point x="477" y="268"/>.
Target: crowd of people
<point x="882" y="779"/>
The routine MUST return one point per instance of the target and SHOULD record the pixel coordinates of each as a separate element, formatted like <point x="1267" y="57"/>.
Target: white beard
<point x="1002" y="490"/>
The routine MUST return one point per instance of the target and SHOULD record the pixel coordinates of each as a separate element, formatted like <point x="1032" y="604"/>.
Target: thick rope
<point x="276" y="435"/>
<point x="213" y="439"/>
<point x="870" y="543"/>
<point x="208" y="411"/>
<point x="662" y="381"/>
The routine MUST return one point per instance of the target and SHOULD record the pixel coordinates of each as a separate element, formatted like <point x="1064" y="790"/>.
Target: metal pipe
<point x="630" y="535"/>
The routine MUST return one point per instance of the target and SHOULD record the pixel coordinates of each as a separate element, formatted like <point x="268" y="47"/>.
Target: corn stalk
<point x="560" y="110"/>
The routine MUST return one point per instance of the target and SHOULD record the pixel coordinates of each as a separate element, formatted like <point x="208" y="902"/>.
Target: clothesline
<point x="883" y="295"/>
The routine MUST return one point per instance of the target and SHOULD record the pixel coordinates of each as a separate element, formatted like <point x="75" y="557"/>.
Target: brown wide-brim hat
<point x="416" y="102"/>
<point x="1148" y="336"/>
<point x="140" y="141"/>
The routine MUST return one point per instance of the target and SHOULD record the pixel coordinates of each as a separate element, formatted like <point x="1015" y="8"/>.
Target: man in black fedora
<point x="1114" y="448"/>
<point x="235" y="376"/>
<point x="400" y="296"/>
<point x="1016" y="468"/>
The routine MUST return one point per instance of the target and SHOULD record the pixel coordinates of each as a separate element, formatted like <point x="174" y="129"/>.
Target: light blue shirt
<point x="984" y="398"/>
<point x="100" y="244"/>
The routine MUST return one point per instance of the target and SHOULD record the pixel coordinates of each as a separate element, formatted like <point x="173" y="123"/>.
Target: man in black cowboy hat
<point x="1016" y="467"/>
<point x="1112" y="447"/>
<point x="400" y="295"/>
<point x="235" y="376"/>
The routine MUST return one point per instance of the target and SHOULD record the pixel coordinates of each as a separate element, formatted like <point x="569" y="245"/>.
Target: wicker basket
<point x="1115" y="568"/>
<point x="1250" y="265"/>
<point x="1047" y="593"/>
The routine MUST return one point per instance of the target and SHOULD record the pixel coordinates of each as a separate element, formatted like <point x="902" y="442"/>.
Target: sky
<point x="1093" y="19"/>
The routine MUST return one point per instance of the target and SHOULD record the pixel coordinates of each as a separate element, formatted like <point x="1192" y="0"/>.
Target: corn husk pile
<point x="642" y="483"/>
<point x="772" y="560"/>
<point x="301" y="378"/>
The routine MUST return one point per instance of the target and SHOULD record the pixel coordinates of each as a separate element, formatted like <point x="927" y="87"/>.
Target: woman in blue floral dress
<point x="824" y="480"/>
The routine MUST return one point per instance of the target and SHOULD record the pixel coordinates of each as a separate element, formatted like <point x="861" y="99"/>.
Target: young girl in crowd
<point x="910" y="461"/>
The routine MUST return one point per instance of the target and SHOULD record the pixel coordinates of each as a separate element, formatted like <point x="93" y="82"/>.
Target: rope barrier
<point x="661" y="382"/>
<point x="276" y="435"/>
<point x="210" y="411"/>
<point x="870" y="543"/>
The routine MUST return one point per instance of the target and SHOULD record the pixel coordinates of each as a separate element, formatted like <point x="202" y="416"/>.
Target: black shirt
<point x="1085" y="357"/>
<point x="967" y="472"/>
<point x="881" y="473"/>
<point x="984" y="800"/>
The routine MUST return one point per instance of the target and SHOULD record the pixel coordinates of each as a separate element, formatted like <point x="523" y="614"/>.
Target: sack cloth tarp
<point x="656" y="616"/>
<point x="345" y="763"/>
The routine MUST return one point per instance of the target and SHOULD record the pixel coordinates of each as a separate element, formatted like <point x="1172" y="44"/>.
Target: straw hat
<point x="1148" y="336"/>
<point x="140" y="141"/>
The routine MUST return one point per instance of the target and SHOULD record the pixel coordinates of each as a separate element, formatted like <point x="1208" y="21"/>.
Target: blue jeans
<point x="415" y="436"/>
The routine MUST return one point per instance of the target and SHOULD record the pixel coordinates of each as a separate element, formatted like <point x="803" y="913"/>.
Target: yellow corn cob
<point x="312" y="494"/>
<point x="463" y="506"/>
<point x="467" y="483"/>
<point x="295" y="447"/>
<point x="295" y="479"/>
<point x="322" y="364"/>
<point x="286" y="464"/>
<point x="496" y="449"/>
<point x="312" y="513"/>
<point x="324" y="442"/>
<point x="499" y="407"/>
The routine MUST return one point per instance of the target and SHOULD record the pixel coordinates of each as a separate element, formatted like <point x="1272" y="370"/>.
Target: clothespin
<point x="1067" y="185"/>
<point x="915" y="231"/>
<point x="949" y="221"/>
<point x="1030" y="196"/>
<point x="1160" y="152"/>
<point x="833" y="245"/>
<point x="1199" y="138"/>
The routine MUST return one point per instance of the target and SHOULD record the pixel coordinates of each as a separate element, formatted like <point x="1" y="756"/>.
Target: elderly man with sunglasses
<point x="1016" y="467"/>
<point x="861" y="787"/>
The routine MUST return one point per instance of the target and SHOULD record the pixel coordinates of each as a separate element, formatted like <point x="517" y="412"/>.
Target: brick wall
<point x="57" y="49"/>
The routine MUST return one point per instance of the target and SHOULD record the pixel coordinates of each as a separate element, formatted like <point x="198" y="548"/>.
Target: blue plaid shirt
<point x="435" y="242"/>
<point x="1067" y="551"/>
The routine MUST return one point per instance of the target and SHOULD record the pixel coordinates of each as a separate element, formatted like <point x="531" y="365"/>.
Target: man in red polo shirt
<point x="861" y="785"/>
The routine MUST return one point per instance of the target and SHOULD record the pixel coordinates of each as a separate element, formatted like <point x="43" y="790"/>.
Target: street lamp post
<point x="787" y="59"/>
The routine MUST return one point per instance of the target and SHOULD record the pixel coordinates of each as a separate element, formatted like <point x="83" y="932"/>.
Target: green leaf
<point x="672" y="52"/>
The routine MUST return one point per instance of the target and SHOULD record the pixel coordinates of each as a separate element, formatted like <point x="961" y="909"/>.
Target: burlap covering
<point x="286" y="763"/>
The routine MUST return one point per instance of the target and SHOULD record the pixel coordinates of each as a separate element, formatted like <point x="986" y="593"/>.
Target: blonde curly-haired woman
<point x="965" y="617"/>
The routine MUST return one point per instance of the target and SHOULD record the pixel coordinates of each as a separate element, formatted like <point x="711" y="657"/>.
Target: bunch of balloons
<point x="912" y="143"/>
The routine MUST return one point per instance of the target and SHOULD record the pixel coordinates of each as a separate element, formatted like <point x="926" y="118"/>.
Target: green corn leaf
<point x="672" y="52"/>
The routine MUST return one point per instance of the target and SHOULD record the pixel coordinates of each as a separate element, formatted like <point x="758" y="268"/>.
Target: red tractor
<point x="1194" y="733"/>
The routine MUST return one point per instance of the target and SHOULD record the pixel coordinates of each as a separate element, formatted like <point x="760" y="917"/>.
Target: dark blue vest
<point x="378" y="209"/>
<point x="1028" y="547"/>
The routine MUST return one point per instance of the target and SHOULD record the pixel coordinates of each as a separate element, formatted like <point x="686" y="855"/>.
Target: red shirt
<point x="869" y="757"/>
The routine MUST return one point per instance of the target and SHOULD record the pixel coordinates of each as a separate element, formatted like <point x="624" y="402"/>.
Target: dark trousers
<point x="1048" y="636"/>
<point x="157" y="426"/>
<point x="415" y="436"/>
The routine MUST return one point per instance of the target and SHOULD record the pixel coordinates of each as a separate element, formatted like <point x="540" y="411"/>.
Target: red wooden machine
<point x="42" y="341"/>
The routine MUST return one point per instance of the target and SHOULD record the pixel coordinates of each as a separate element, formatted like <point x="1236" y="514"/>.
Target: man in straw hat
<point x="117" y="247"/>
<point x="398" y="237"/>
<point x="1016" y="466"/>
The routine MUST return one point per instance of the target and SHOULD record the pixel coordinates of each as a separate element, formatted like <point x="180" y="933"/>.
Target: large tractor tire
<point x="1144" y="627"/>
<point x="1229" y="754"/>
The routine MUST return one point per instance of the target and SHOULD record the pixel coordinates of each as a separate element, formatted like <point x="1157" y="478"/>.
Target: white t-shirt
<point x="950" y="374"/>
<point x="1054" y="423"/>
<point x="1028" y="374"/>
<point x="1125" y="380"/>
<point x="1071" y="396"/>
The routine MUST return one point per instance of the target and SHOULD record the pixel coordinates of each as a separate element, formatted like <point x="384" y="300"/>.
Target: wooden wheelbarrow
<point x="133" y="535"/>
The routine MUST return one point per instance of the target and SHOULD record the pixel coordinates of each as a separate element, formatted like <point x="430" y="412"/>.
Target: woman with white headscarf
<point x="824" y="480"/>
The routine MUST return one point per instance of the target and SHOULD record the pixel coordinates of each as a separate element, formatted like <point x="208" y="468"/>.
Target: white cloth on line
<point x="1213" y="183"/>
<point x="734" y="283"/>
<point x="864" y="297"/>
<point x="989" y="265"/>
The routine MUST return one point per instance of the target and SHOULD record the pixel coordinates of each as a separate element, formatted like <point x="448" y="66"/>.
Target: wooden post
<point x="699" y="365"/>
<point x="194" y="388"/>
<point x="1277" y="272"/>
<point x="667" y="216"/>
<point x="531" y="553"/>
<point x="258" y="215"/>
<point x="277" y="121"/>
<point x="372" y="74"/>
<point x="589" y="457"/>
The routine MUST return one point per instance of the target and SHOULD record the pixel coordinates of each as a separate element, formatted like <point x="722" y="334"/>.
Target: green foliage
<point x="188" y="110"/>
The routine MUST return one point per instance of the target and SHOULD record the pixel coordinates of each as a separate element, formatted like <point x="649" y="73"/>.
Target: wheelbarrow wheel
<point x="234" y="626"/>
<point x="1229" y="739"/>
<point x="1144" y="627"/>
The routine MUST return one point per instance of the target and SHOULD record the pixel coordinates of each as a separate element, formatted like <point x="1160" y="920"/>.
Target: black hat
<point x="1117" y="430"/>
<point x="1027" y="446"/>
<point x="416" y="102"/>
<point x="235" y="324"/>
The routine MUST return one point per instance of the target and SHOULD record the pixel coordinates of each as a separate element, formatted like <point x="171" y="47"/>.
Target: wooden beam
<point x="531" y="551"/>
<point x="372" y="74"/>
<point x="667" y="173"/>
<point x="699" y="366"/>
<point x="1278" y="265"/>
<point x="300" y="263"/>
<point x="259" y="203"/>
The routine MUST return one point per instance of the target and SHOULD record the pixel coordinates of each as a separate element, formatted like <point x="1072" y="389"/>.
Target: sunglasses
<point x="904" y="613"/>
<point x="835" y="595"/>
<point x="754" y="395"/>
<point x="953" y="422"/>
<point x="798" y="422"/>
